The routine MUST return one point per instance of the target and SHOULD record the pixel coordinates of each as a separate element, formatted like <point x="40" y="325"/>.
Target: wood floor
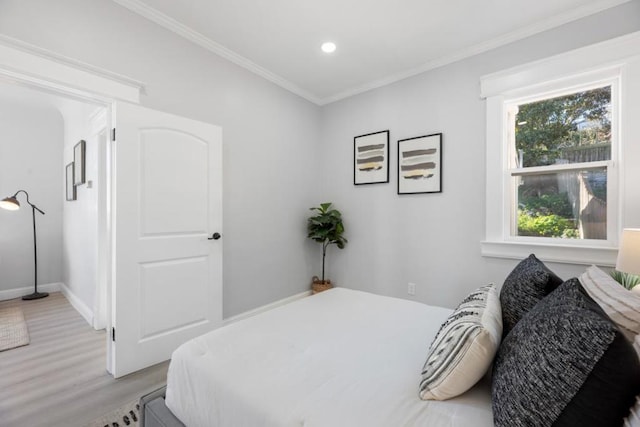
<point x="60" y="379"/>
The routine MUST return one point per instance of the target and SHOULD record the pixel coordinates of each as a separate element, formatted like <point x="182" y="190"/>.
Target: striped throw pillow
<point x="464" y="347"/>
<point x="620" y="304"/>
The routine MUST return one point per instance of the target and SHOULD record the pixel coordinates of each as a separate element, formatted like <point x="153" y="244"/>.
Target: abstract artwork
<point x="371" y="158"/>
<point x="78" y="162"/>
<point x="70" y="188"/>
<point x="420" y="164"/>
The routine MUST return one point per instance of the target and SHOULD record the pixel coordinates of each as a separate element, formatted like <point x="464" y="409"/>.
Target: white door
<point x="167" y="278"/>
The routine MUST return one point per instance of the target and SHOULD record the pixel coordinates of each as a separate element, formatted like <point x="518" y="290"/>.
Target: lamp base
<point x="35" y="295"/>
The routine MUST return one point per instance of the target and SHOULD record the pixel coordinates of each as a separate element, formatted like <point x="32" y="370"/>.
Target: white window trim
<point x="602" y="62"/>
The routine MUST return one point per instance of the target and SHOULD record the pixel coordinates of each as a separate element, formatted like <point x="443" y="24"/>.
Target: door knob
<point x="215" y="236"/>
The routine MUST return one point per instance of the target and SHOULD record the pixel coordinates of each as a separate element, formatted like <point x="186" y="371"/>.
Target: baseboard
<point x="19" y="292"/>
<point x="87" y="313"/>
<point x="77" y="303"/>
<point x="264" y="308"/>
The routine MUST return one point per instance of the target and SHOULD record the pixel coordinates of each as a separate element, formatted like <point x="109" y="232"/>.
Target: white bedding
<point x="338" y="358"/>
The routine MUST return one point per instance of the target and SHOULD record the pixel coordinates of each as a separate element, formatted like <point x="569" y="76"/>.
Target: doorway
<point x="44" y="129"/>
<point x="150" y="160"/>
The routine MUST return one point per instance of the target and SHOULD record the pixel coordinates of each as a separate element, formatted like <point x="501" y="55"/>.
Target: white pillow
<point x="464" y="347"/>
<point x="620" y="304"/>
<point x="633" y="420"/>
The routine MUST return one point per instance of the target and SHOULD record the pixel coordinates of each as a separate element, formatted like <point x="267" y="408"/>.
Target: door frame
<point x="36" y="68"/>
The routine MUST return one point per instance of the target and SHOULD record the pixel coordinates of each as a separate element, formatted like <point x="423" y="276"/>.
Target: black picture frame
<point x="371" y="158"/>
<point x="70" y="187"/>
<point x="79" y="154"/>
<point x="420" y="164"/>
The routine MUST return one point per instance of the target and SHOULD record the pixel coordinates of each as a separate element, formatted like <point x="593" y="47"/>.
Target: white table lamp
<point x="629" y="251"/>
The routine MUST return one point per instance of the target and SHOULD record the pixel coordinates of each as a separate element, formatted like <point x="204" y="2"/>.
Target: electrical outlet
<point x="411" y="288"/>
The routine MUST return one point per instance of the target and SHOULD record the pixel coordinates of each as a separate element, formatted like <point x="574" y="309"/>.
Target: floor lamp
<point x="12" y="204"/>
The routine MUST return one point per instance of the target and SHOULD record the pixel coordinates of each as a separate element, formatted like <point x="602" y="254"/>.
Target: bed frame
<point x="154" y="412"/>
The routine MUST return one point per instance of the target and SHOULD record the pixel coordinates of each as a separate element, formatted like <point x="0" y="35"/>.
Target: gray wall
<point x="39" y="132"/>
<point x="271" y="175"/>
<point x="273" y="140"/>
<point x="30" y="158"/>
<point x="80" y="217"/>
<point x="433" y="240"/>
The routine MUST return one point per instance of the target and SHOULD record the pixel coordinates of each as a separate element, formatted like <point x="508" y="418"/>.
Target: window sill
<point x="566" y="254"/>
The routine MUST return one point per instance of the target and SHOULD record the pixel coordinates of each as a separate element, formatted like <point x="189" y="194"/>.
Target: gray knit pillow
<point x="527" y="284"/>
<point x="564" y="364"/>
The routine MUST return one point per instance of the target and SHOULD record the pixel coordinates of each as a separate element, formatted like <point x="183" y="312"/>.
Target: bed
<point x="559" y="353"/>
<point x="338" y="358"/>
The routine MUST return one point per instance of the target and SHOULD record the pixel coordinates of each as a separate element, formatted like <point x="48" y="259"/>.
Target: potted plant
<point x="325" y="227"/>
<point x="629" y="281"/>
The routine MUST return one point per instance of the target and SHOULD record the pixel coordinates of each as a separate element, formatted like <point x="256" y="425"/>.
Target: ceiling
<point x="378" y="42"/>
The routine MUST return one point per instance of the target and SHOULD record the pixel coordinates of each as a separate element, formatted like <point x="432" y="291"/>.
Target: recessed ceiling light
<point x="328" y="47"/>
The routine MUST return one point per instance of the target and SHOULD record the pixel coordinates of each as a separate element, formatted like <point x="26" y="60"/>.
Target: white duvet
<point x="338" y="358"/>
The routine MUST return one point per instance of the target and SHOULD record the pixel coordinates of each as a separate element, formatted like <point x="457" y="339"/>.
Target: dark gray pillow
<point x="527" y="284"/>
<point x="564" y="364"/>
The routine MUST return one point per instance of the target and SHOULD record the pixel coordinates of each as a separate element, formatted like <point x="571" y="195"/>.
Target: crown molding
<point x="24" y="64"/>
<point x="142" y="9"/>
<point x="70" y="62"/>
<point x="199" y="39"/>
<point x="524" y="32"/>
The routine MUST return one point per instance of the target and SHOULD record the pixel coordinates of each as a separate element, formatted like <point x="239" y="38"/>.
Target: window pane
<point x="571" y="205"/>
<point x="573" y="128"/>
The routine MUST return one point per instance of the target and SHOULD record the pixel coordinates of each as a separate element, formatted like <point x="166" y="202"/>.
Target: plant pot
<point x="320" y="285"/>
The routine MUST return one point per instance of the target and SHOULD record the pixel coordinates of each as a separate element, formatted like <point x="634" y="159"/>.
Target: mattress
<point x="338" y="358"/>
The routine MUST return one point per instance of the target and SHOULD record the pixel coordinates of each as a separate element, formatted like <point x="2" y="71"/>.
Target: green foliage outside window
<point x="574" y="128"/>
<point x="545" y="215"/>
<point x="546" y="204"/>
<point x="545" y="225"/>
<point x="545" y="128"/>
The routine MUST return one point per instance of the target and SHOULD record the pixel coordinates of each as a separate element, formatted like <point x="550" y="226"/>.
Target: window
<point x="562" y="154"/>
<point x="559" y="162"/>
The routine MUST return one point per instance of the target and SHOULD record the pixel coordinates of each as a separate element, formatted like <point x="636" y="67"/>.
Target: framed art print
<point x="420" y="164"/>
<point x="371" y="158"/>
<point x="78" y="162"/>
<point x="70" y="188"/>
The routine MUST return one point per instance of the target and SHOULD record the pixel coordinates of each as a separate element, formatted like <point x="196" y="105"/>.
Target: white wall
<point x="271" y="173"/>
<point x="80" y="217"/>
<point x="433" y="240"/>
<point x="30" y="157"/>
<point x="273" y="140"/>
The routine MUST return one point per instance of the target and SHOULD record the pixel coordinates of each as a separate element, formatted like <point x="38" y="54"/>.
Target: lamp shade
<point x="629" y="251"/>
<point x="10" y="203"/>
